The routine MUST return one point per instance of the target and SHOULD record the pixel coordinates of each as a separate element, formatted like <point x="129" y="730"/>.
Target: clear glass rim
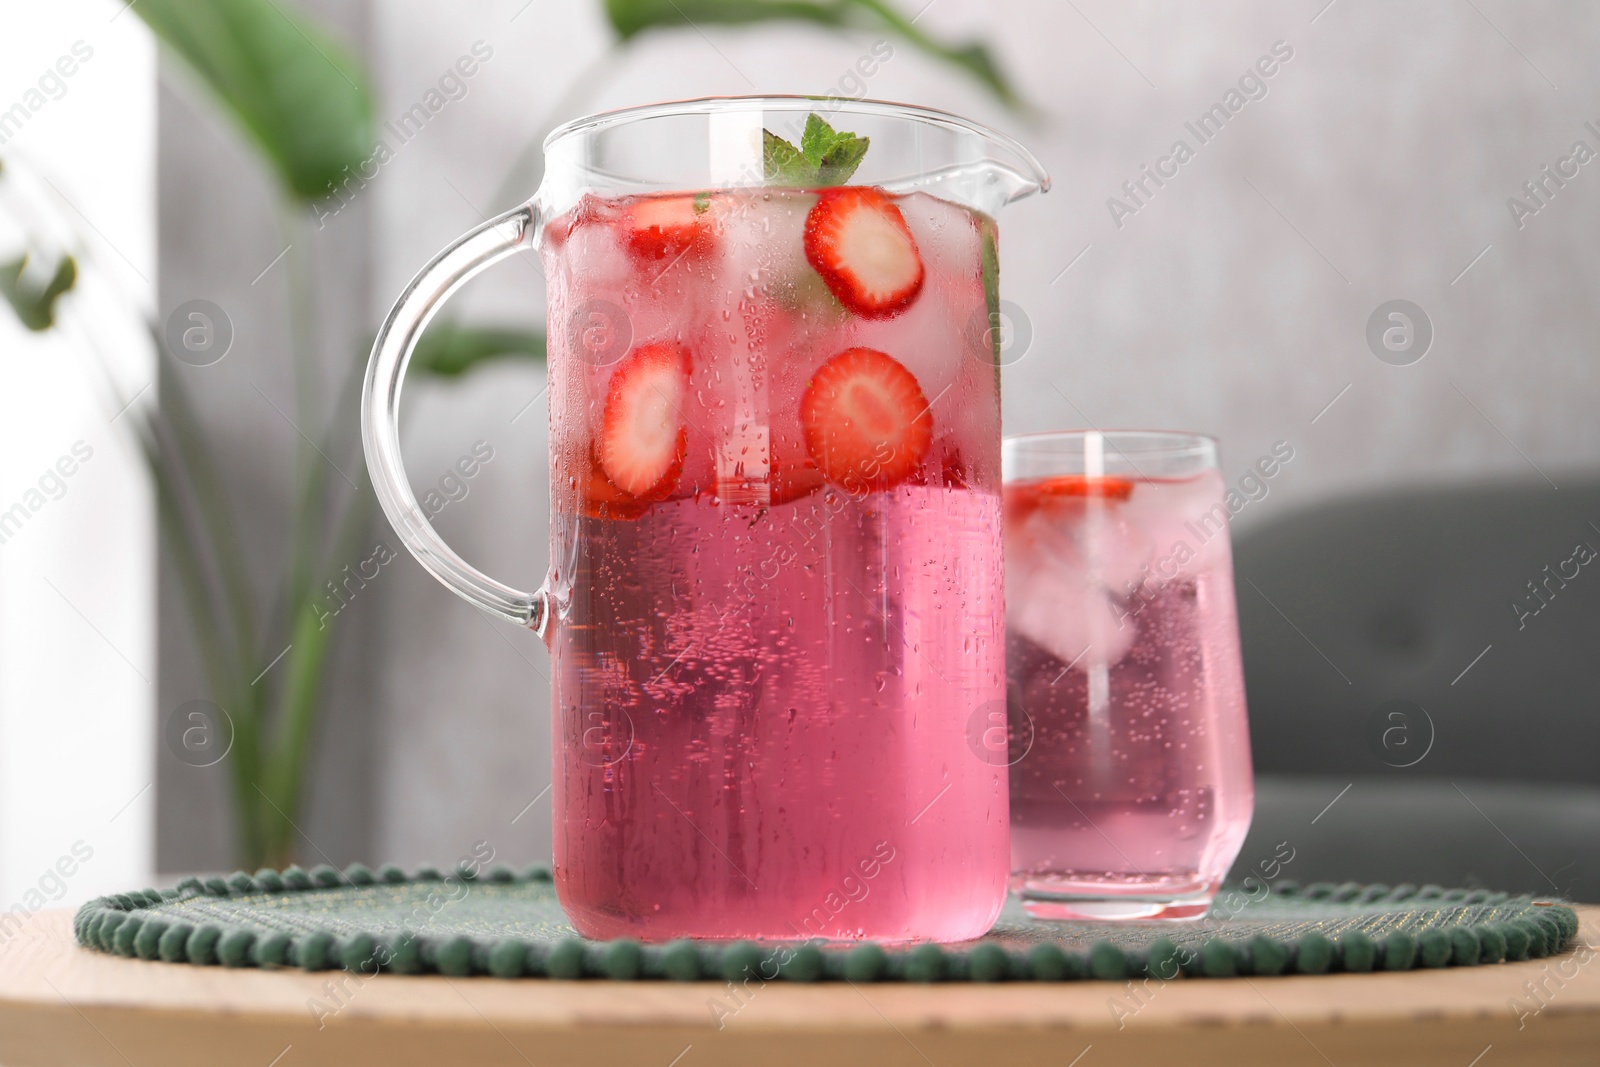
<point x="706" y="105"/>
<point x="1150" y="455"/>
<point x="1174" y="444"/>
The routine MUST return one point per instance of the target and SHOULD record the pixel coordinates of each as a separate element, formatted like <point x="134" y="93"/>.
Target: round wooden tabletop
<point x="60" y="1004"/>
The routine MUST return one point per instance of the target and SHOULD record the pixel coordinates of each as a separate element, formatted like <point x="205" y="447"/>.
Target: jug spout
<point x="987" y="184"/>
<point x="966" y="162"/>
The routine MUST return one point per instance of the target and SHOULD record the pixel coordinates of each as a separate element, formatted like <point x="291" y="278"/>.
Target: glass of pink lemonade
<point x="774" y="596"/>
<point x="1131" y="787"/>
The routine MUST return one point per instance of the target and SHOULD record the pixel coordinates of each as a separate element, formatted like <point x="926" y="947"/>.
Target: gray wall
<point x="1235" y="301"/>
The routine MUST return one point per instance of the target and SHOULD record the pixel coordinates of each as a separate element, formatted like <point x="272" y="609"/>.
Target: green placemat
<point x="508" y="924"/>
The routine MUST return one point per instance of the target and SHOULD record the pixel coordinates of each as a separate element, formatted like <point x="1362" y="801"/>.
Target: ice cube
<point x="1184" y="523"/>
<point x="942" y="331"/>
<point x="1057" y="594"/>
<point x="946" y="234"/>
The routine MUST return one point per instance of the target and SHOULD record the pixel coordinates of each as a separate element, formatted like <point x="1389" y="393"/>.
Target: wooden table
<point x="60" y="1004"/>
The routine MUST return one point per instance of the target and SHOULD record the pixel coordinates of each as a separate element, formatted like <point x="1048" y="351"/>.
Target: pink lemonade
<point x="1123" y="658"/>
<point x="776" y="567"/>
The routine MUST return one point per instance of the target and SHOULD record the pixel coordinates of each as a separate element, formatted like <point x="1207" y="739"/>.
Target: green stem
<point x="311" y="475"/>
<point x="276" y="805"/>
<point x="184" y="539"/>
<point x="310" y="631"/>
<point x="192" y="452"/>
<point x="304" y="668"/>
<point x="307" y="669"/>
<point x="187" y="451"/>
<point x="183" y="547"/>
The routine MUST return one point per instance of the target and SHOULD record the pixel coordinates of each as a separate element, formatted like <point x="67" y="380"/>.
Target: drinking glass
<point x="774" y="592"/>
<point x="1131" y="787"/>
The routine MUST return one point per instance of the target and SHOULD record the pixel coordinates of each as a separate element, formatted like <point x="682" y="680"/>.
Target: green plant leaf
<point x="293" y="89"/>
<point x="989" y="271"/>
<point x="970" y="56"/>
<point x="782" y="162"/>
<point x="448" y="349"/>
<point x="841" y="160"/>
<point x="633" y="17"/>
<point x="35" y="304"/>
<point x="825" y="157"/>
<point x="816" y="139"/>
<point x="977" y="60"/>
<point x="630" y="17"/>
<point x="836" y="155"/>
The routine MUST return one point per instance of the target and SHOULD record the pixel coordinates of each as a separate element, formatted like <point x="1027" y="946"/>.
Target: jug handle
<point x="473" y="252"/>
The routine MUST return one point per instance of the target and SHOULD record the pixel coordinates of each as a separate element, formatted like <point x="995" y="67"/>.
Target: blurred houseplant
<point x="305" y="105"/>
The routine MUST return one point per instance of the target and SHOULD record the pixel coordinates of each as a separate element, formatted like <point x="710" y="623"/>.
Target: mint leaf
<point x="989" y="258"/>
<point x="841" y="159"/>
<point x="816" y="139"/>
<point x="825" y="156"/>
<point x="784" y="165"/>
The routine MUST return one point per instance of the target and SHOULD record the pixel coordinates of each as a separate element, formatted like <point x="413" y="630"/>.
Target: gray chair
<point x="1393" y="643"/>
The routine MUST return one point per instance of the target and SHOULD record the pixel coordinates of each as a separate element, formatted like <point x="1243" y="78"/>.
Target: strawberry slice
<point x="643" y="439"/>
<point x="588" y="211"/>
<point x="789" y="483"/>
<point x="599" y="499"/>
<point x="1083" y="485"/>
<point x="791" y="474"/>
<point x="858" y="241"/>
<point x="866" y="422"/>
<point x="664" y="228"/>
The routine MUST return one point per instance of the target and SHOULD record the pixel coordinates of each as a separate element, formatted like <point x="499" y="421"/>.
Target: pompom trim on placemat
<point x="248" y="920"/>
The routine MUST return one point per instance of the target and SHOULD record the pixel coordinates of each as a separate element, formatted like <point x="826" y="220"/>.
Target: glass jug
<point x="774" y="605"/>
